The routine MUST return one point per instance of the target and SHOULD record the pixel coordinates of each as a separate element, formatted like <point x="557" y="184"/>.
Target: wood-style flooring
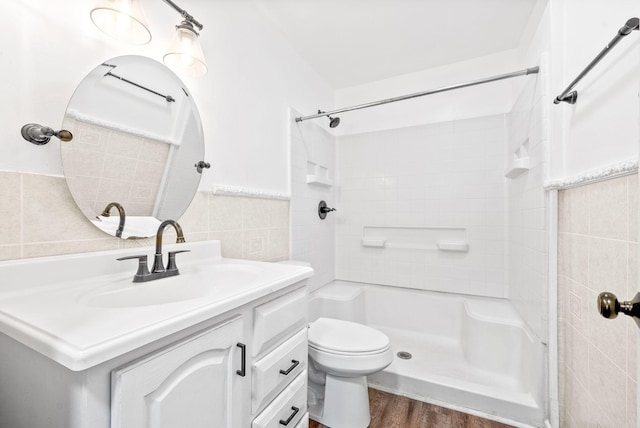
<point x="394" y="411"/>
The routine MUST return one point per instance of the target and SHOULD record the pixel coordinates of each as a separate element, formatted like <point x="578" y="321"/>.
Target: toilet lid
<point x="345" y="336"/>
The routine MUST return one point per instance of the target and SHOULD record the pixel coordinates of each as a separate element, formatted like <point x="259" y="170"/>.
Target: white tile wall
<point x="448" y="174"/>
<point x="527" y="221"/>
<point x="313" y="240"/>
<point x="598" y="251"/>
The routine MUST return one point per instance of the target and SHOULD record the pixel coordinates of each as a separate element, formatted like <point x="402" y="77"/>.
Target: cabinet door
<point x="192" y="384"/>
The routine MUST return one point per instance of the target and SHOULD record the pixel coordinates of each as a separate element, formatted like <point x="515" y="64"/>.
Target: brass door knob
<point x="609" y="306"/>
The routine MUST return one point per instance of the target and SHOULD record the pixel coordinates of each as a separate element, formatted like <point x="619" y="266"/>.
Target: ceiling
<point x="350" y="42"/>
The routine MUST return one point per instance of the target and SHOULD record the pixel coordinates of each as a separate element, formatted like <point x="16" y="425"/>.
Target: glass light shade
<point x="185" y="55"/>
<point x="123" y="20"/>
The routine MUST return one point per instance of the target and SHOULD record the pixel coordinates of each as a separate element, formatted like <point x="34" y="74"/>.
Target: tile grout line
<point x="21" y="215"/>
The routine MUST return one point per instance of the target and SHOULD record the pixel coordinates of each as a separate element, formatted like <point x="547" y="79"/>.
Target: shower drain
<point x="404" y="355"/>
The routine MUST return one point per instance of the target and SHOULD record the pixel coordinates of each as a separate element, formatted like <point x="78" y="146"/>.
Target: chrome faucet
<point x="105" y="213"/>
<point x="158" y="271"/>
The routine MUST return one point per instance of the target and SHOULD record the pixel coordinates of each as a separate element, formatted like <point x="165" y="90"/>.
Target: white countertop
<point x="82" y="310"/>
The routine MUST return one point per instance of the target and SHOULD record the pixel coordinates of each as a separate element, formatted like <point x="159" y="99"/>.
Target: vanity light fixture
<point x="124" y="20"/>
<point x="185" y="53"/>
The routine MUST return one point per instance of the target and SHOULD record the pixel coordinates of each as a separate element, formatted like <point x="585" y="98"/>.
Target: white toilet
<point x="341" y="356"/>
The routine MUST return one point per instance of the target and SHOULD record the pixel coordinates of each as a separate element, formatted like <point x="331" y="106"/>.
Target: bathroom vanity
<point x="224" y="344"/>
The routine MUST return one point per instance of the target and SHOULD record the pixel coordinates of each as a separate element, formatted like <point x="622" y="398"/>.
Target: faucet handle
<point x="171" y="264"/>
<point x="143" y="270"/>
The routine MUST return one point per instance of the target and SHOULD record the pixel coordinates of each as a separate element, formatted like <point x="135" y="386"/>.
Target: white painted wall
<point x="602" y="127"/>
<point x="254" y="76"/>
<point x="483" y="100"/>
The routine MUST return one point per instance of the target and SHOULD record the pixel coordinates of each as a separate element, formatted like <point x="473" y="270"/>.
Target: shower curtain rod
<point x="525" y="72"/>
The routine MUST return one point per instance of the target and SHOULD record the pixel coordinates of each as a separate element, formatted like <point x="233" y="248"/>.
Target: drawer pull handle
<point x="293" y="366"/>
<point x="291" y="416"/>
<point x="243" y="355"/>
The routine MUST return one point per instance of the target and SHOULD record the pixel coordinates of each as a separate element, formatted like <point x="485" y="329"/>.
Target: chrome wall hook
<point x="40" y="135"/>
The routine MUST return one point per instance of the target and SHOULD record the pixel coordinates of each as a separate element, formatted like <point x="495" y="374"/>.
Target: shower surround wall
<point x="527" y="233"/>
<point x="444" y="175"/>
<point x="313" y="157"/>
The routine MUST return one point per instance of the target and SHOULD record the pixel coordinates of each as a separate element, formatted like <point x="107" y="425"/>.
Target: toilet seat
<point x="348" y="353"/>
<point x="348" y="349"/>
<point x="346" y="338"/>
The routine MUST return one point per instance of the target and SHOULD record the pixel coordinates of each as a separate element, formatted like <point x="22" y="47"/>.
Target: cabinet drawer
<point x="304" y="423"/>
<point x="289" y="407"/>
<point x="278" y="318"/>
<point x="268" y="376"/>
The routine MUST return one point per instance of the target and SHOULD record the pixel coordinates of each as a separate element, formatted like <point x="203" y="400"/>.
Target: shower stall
<point x="440" y="241"/>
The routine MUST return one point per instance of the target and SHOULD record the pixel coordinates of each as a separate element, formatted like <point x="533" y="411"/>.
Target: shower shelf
<point x="374" y="243"/>
<point x="519" y="166"/>
<point x="461" y="247"/>
<point x="320" y="181"/>
<point x="318" y="174"/>
<point x="519" y="161"/>
<point x="449" y="239"/>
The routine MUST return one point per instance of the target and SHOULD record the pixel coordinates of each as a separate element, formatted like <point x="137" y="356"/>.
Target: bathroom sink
<point x="193" y="283"/>
<point x="83" y="309"/>
<point x="148" y="294"/>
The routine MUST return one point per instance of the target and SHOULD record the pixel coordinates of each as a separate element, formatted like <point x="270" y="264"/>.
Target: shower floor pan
<point x="467" y="353"/>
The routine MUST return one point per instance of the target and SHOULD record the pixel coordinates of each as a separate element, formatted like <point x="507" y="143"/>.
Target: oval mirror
<point x="137" y="142"/>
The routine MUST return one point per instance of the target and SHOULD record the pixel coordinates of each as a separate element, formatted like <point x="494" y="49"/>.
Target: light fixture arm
<point x="40" y="135"/>
<point x="185" y="15"/>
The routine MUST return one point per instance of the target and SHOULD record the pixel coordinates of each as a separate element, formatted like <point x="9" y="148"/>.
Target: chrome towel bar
<point x="569" y="95"/>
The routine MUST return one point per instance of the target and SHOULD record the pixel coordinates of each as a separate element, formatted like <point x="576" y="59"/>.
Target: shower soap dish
<point x="519" y="166"/>
<point x="461" y="247"/>
<point x="519" y="161"/>
<point x="377" y="243"/>
<point x="321" y="181"/>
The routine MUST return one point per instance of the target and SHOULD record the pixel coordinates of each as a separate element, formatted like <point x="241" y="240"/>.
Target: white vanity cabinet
<point x="190" y="379"/>
<point x="194" y="383"/>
